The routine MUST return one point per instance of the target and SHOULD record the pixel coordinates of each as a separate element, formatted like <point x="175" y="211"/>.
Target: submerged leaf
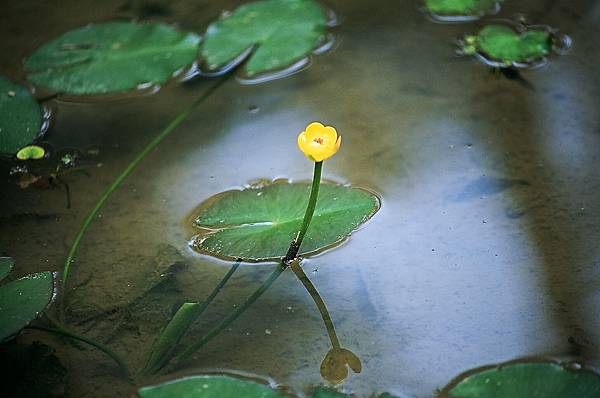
<point x="112" y="57"/>
<point x="281" y="32"/>
<point x="6" y="265"/>
<point x="258" y="224"/>
<point x="21" y="301"/>
<point x="21" y="117"/>
<point x="525" y="380"/>
<point x="209" y="386"/>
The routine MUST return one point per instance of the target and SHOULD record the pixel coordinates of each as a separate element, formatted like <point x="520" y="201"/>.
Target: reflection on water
<point x="436" y="284"/>
<point x="334" y="367"/>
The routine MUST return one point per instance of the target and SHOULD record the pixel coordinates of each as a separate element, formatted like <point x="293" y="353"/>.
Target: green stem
<point x="310" y="210"/>
<point x="233" y="316"/>
<point x="312" y="290"/>
<point x="172" y="334"/>
<point x="61" y="331"/>
<point x="117" y="182"/>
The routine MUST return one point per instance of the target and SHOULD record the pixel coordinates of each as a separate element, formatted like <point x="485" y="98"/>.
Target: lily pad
<point x="502" y="44"/>
<point x="31" y="152"/>
<point x="527" y="379"/>
<point x="259" y="223"/>
<point x="21" y="117"/>
<point x="280" y="32"/>
<point x="210" y="386"/>
<point x="112" y="57"/>
<point x="22" y="300"/>
<point x="462" y="8"/>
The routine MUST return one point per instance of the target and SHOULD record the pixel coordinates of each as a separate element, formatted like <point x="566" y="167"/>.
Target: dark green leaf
<point x="258" y="224"/>
<point x="112" y="57"/>
<point x="525" y="380"/>
<point x="209" y="386"/>
<point x="21" y="117"/>
<point x="21" y="301"/>
<point x="6" y="265"/>
<point x="502" y="43"/>
<point x="282" y="31"/>
<point x="460" y="7"/>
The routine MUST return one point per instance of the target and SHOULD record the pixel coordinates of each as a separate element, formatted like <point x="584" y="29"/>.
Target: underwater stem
<point x="64" y="332"/>
<point x="117" y="182"/>
<point x="310" y="210"/>
<point x="233" y="316"/>
<point x="312" y="290"/>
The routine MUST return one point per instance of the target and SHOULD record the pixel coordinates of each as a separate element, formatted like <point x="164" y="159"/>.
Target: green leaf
<point x="525" y="380"/>
<point x="6" y="265"/>
<point x="282" y="32"/>
<point x="259" y="223"/>
<point x="112" y="57"/>
<point x="21" y="117"/>
<point x="171" y="335"/>
<point x="21" y="301"/>
<point x="209" y="386"/>
<point x="31" y="152"/>
<point x="502" y="43"/>
<point x="460" y="7"/>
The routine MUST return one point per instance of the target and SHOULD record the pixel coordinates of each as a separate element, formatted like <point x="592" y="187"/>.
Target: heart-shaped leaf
<point x="501" y="43"/>
<point x="112" y="57"/>
<point x="6" y="265"/>
<point x="465" y="8"/>
<point x="259" y="223"/>
<point x="21" y="301"/>
<point x="210" y="386"/>
<point x="282" y="32"/>
<point x="21" y="117"/>
<point x="545" y="379"/>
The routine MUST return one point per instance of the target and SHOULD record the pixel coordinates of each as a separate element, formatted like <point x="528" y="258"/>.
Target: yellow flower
<point x="319" y="142"/>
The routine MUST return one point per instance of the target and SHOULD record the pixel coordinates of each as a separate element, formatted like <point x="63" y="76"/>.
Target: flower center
<point x="318" y="140"/>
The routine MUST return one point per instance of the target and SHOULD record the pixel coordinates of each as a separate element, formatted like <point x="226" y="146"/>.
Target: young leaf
<point x="209" y="386"/>
<point x="258" y="224"/>
<point x="525" y="380"/>
<point x="502" y="43"/>
<point x="21" y="117"/>
<point x="21" y="301"/>
<point x="281" y="32"/>
<point x="111" y="57"/>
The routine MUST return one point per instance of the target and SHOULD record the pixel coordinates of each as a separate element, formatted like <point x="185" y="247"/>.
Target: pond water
<point x="485" y="248"/>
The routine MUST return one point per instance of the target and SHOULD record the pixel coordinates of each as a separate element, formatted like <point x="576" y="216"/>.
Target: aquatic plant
<point x="269" y="223"/>
<point x="460" y="10"/>
<point x="514" y="45"/>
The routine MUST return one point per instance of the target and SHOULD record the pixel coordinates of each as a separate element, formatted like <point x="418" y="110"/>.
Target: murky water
<point x="485" y="249"/>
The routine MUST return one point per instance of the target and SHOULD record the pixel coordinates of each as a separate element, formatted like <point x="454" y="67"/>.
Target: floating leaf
<point x="6" y="265"/>
<point x="21" y="117"/>
<point x="31" y="152"/>
<point x="544" y="379"/>
<point x="461" y="8"/>
<point x="112" y="57"/>
<point x="21" y="301"/>
<point x="502" y="45"/>
<point x="280" y="31"/>
<point x="259" y="223"/>
<point x="210" y="386"/>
